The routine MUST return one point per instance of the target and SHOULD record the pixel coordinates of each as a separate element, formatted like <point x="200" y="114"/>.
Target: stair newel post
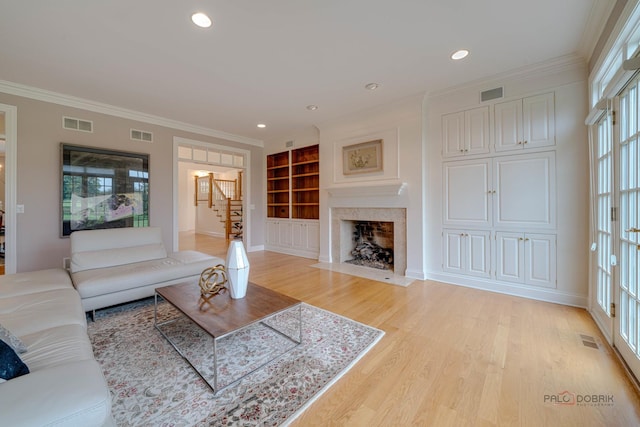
<point x="195" y="193"/>
<point x="210" y="190"/>
<point x="228" y="218"/>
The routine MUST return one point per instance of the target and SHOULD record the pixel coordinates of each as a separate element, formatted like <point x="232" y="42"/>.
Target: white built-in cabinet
<point x="528" y="258"/>
<point x="467" y="252"/>
<point x="466" y="132"/>
<point x="516" y="191"/>
<point x="499" y="206"/>
<point x="297" y="237"/>
<point x="305" y="236"/>
<point x="525" y="123"/>
<point x="279" y="233"/>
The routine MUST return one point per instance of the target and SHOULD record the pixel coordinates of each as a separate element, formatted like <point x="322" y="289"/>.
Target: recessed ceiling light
<point x="459" y="54"/>
<point x="262" y="125"/>
<point x="372" y="86"/>
<point x="312" y="107"/>
<point x="201" y="20"/>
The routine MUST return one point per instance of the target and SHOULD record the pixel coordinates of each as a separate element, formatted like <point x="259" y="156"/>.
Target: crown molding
<point x="111" y="110"/>
<point x="598" y="17"/>
<point x="552" y="66"/>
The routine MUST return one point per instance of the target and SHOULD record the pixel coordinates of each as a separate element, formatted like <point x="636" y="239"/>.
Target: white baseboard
<point x="415" y="274"/>
<point x="547" y="295"/>
<point x="292" y="251"/>
<point x="256" y="248"/>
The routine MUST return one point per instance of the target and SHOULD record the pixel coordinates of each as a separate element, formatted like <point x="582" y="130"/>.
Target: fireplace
<point x="386" y="227"/>
<point x="372" y="244"/>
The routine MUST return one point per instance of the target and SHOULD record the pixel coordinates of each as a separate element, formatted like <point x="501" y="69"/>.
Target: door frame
<point x="11" y="163"/>
<point x="246" y="182"/>
<point x="601" y="317"/>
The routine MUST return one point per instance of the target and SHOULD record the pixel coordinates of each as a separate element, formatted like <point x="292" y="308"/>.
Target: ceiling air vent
<point x="490" y="94"/>
<point x="73" y="123"/>
<point x="288" y="144"/>
<point x="140" y="135"/>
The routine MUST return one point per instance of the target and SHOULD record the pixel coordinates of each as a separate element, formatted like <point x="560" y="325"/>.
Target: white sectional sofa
<point x="65" y="385"/>
<point x="113" y="266"/>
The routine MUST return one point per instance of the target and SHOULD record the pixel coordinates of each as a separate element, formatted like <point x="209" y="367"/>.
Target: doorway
<point x="2" y="190"/>
<point x="193" y="158"/>
<point x="615" y="157"/>
<point x="9" y="142"/>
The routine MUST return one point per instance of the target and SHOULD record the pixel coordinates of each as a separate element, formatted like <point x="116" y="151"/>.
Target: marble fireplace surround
<point x="341" y="232"/>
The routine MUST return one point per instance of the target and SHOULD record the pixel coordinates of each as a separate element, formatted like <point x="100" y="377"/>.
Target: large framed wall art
<point x="103" y="189"/>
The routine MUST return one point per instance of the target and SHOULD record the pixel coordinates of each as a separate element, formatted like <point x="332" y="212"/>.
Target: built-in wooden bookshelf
<point x="278" y="177"/>
<point x="293" y="184"/>
<point x="305" y="183"/>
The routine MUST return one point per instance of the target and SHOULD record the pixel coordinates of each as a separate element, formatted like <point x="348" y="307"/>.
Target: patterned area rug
<point x="152" y="385"/>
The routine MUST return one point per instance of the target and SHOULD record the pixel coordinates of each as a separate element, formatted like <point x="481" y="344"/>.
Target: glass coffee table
<point x="225" y="339"/>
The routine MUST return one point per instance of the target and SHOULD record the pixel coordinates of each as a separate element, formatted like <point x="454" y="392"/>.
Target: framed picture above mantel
<point x="102" y="189"/>
<point x="365" y="157"/>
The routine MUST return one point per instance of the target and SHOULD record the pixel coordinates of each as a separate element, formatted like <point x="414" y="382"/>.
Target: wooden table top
<point x="221" y="314"/>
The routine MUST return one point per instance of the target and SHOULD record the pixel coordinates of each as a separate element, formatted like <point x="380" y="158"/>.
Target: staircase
<point x="225" y="199"/>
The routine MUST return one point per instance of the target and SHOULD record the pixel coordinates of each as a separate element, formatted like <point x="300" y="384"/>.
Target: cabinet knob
<point x="461" y="150"/>
<point x="525" y="142"/>
<point x="465" y="150"/>
<point x="519" y="142"/>
<point x="520" y="238"/>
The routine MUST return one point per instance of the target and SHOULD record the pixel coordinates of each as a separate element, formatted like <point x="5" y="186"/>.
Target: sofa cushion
<point x="136" y="243"/>
<point x="10" y="364"/>
<point x="27" y="314"/>
<point x="56" y="346"/>
<point x="72" y="394"/>
<point x="34" y="282"/>
<point x="109" y="257"/>
<point x="13" y="341"/>
<point x="91" y="283"/>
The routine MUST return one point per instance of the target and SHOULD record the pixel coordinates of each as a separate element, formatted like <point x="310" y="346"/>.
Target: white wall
<point x="400" y="125"/>
<point x="568" y="78"/>
<point x="40" y="133"/>
<point x="187" y="209"/>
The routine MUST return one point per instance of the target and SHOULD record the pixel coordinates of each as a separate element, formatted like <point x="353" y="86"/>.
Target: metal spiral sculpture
<point x="212" y="281"/>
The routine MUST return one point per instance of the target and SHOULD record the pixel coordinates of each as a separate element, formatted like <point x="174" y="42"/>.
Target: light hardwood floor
<point x="452" y="356"/>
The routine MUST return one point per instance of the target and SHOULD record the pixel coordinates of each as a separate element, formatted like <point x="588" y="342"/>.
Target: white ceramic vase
<point x="237" y="266"/>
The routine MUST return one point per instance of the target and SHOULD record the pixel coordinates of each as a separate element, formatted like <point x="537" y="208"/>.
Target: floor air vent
<point x="73" y="123"/>
<point x="140" y="135"/>
<point x="589" y="341"/>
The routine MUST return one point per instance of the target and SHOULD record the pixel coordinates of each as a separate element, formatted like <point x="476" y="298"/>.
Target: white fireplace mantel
<point x="384" y="190"/>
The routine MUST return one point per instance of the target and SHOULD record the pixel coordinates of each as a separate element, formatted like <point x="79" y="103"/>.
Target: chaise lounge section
<point x="114" y="266"/>
<point x="65" y="385"/>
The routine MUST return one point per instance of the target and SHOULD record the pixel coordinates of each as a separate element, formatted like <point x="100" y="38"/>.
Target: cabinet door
<point x="476" y="131"/>
<point x="273" y="233"/>
<point x="478" y="250"/>
<point x="313" y="236"/>
<point x="508" y="125"/>
<point x="525" y="191"/>
<point x="538" y="121"/>
<point x="453" y="251"/>
<point x="298" y="235"/>
<point x="466" y="193"/>
<point x="453" y="134"/>
<point x="540" y="260"/>
<point x="509" y="257"/>
<point x="284" y="233"/>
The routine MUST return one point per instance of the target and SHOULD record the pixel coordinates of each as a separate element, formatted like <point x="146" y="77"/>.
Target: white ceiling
<point x="264" y="61"/>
